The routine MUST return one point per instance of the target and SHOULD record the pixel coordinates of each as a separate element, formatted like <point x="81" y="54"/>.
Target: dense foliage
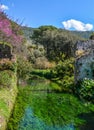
<point x="56" y="41"/>
<point x="85" y="90"/>
<point x="64" y="74"/>
<point x="6" y="79"/>
<point x="10" y="32"/>
<point x="24" y="68"/>
<point x="92" y="36"/>
<point x="83" y="34"/>
<point x="12" y="35"/>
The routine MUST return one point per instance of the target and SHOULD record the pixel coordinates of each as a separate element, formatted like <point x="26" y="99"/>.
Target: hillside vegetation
<point x="83" y="34"/>
<point x="11" y="40"/>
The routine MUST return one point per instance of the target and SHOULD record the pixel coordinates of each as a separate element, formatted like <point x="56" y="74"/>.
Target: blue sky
<point x="69" y="14"/>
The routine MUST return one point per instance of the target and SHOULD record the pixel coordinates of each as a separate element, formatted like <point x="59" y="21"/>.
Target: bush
<point x="85" y="89"/>
<point x="6" y="78"/>
<point x="65" y="67"/>
<point x="68" y="84"/>
<point x="91" y="36"/>
<point x="43" y="63"/>
<point x="23" y="68"/>
<point x="6" y="64"/>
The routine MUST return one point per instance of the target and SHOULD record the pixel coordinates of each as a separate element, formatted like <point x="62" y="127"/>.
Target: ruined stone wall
<point x="7" y="59"/>
<point x="5" y="51"/>
<point x="84" y="60"/>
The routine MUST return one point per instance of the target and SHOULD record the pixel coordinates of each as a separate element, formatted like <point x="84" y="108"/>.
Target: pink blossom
<point x="10" y="30"/>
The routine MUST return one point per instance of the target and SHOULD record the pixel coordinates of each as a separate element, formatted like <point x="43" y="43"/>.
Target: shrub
<point x="68" y="84"/>
<point x="91" y="36"/>
<point x="65" y="67"/>
<point x="23" y="68"/>
<point x="85" y="89"/>
<point x="6" y="78"/>
<point x="6" y="64"/>
<point x="43" y="63"/>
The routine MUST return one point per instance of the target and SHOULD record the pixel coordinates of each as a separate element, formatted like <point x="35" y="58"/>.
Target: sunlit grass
<point x="7" y="100"/>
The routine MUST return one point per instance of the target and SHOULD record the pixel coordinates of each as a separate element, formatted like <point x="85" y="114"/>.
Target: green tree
<point x="92" y="36"/>
<point x="55" y="41"/>
<point x="23" y="68"/>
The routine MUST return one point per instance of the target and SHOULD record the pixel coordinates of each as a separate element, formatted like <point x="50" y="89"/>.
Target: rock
<point x="84" y="60"/>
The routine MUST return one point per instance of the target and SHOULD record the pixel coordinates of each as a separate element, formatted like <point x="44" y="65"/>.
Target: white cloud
<point x="3" y="7"/>
<point x="77" y="25"/>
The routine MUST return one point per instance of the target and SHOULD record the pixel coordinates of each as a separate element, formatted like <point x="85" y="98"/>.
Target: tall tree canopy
<point x="56" y="41"/>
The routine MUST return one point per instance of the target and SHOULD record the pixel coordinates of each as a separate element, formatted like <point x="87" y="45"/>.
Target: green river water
<point x="38" y="107"/>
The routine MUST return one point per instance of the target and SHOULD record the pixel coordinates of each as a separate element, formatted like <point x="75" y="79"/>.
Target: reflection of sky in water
<point x="30" y="122"/>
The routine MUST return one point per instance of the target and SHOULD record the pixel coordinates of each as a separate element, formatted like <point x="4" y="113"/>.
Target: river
<point x="38" y="107"/>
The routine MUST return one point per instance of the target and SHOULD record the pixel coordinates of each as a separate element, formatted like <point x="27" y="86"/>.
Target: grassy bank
<point x="7" y="99"/>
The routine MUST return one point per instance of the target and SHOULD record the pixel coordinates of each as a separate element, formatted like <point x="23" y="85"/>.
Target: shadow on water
<point x="46" y="110"/>
<point x="89" y="118"/>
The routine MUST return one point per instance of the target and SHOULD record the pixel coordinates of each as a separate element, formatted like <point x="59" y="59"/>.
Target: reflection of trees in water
<point x="89" y="118"/>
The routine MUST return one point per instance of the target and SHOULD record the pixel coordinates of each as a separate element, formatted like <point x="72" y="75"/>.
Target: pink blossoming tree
<point x="10" y="31"/>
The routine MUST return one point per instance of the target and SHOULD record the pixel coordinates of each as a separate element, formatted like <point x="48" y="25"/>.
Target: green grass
<point x="44" y="84"/>
<point x="42" y="73"/>
<point x="4" y="109"/>
<point x="7" y="100"/>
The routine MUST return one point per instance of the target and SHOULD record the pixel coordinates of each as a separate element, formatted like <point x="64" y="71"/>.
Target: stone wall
<point x="84" y="60"/>
<point x="5" y="51"/>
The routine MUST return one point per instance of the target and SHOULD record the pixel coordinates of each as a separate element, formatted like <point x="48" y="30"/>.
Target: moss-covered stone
<point x="7" y="100"/>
